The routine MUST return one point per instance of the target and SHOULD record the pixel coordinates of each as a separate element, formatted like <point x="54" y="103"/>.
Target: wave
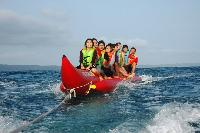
<point x="7" y="84"/>
<point x="172" y="118"/>
<point x="175" y="118"/>
<point x="147" y="79"/>
<point x="55" y="88"/>
<point x="38" y="88"/>
<point x="8" y="124"/>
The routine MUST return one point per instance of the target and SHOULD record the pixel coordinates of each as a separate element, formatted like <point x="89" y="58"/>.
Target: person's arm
<point x="116" y="57"/>
<point x="94" y="58"/>
<point x="134" y="67"/>
<point x="81" y="60"/>
<point x="106" y="60"/>
<point x="123" y="59"/>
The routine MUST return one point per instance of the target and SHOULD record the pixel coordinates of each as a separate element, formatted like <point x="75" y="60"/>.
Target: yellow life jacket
<point x="87" y="56"/>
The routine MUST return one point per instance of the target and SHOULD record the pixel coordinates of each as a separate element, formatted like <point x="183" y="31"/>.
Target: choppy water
<point x="167" y="101"/>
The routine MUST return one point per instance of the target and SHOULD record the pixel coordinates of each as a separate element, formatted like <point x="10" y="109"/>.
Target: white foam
<point x="7" y="84"/>
<point x="146" y="79"/>
<point x="174" y="118"/>
<point x="8" y="124"/>
<point x="55" y="88"/>
<point x="127" y="84"/>
<point x="32" y="85"/>
<point x="123" y="128"/>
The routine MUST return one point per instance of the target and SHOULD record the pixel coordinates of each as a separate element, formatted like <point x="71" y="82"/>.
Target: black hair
<point x="101" y="42"/>
<point x="110" y="45"/>
<point x="114" y="45"/>
<point x="118" y="43"/>
<point x="94" y="39"/>
<point x="134" y="48"/>
<point x="88" y="40"/>
<point x="125" y="46"/>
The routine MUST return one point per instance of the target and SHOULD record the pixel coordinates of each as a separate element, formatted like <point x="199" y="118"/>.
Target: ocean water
<point x="166" y="101"/>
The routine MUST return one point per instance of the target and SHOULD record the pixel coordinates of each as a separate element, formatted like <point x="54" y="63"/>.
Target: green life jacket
<point x="121" y="59"/>
<point x="126" y="57"/>
<point x="100" y="61"/>
<point x="87" y="56"/>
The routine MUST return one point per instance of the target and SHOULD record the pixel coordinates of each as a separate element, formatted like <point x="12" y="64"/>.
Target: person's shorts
<point x="107" y="71"/>
<point x="93" y="66"/>
<point x="128" y="68"/>
<point x="78" y="67"/>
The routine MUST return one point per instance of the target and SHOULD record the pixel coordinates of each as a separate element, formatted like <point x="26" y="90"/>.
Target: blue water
<point x="167" y="101"/>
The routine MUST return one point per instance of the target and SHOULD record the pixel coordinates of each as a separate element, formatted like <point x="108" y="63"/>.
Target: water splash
<point x="7" y="84"/>
<point x="174" y="118"/>
<point x="146" y="79"/>
<point x="55" y="88"/>
<point x="8" y="124"/>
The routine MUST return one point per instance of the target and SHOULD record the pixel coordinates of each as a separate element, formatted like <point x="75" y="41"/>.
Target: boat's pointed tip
<point x="64" y="56"/>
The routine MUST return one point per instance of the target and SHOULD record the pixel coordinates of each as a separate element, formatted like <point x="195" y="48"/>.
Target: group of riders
<point x="108" y="61"/>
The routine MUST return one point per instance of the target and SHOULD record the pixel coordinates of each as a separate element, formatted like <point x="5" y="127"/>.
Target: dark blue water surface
<point x="167" y="101"/>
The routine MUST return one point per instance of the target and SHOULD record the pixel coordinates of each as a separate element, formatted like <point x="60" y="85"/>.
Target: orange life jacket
<point x="132" y="59"/>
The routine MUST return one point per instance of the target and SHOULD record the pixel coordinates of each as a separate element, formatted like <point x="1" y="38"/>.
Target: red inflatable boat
<point x="74" y="79"/>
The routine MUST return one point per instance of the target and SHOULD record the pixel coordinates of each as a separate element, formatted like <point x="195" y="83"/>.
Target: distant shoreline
<point x="4" y="67"/>
<point x="171" y="65"/>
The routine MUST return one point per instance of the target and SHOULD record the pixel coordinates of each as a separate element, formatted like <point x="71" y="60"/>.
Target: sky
<point x="39" y="32"/>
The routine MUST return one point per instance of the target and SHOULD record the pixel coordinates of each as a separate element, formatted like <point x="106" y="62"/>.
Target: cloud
<point x="55" y="15"/>
<point x="17" y="29"/>
<point x="137" y="42"/>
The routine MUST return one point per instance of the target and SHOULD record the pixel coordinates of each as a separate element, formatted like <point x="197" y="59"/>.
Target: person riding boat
<point x="117" y="51"/>
<point x="123" y="56"/>
<point x="88" y="56"/>
<point x="126" y="57"/>
<point x="107" y="67"/>
<point x="96" y="46"/>
<point x="112" y="60"/>
<point x="101" y="46"/>
<point x="132" y="63"/>
<point x="121" y="60"/>
<point x="95" y="42"/>
<point x="118" y="47"/>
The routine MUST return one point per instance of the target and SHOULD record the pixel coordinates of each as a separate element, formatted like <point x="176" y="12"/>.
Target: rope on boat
<point x="81" y="86"/>
<point x="71" y="93"/>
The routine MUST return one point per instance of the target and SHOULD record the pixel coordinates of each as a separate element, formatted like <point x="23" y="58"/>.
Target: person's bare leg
<point x="96" y="73"/>
<point x="123" y="72"/>
<point x="132" y="75"/>
<point x="116" y="69"/>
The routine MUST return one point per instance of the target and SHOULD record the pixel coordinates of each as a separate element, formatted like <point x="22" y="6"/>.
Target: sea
<point x="167" y="100"/>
